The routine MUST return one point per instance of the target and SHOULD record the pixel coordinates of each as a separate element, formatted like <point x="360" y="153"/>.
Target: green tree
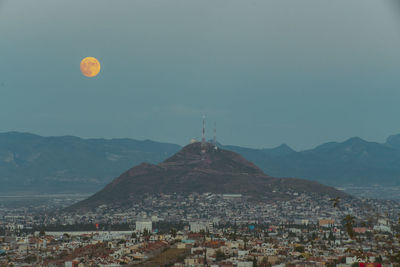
<point x="314" y="236"/>
<point x="331" y="236"/>
<point x="379" y="259"/>
<point x="264" y="262"/>
<point x="30" y="259"/>
<point x="173" y="232"/>
<point x="299" y="249"/>
<point x="146" y="234"/>
<point x="254" y="262"/>
<point x="220" y="255"/>
<point x="348" y="223"/>
<point x="66" y="236"/>
<point x="205" y="257"/>
<point x="42" y="233"/>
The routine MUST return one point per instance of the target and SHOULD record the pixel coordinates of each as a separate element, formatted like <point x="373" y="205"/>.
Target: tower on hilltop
<point x="203" y="137"/>
<point x="215" y="136"/>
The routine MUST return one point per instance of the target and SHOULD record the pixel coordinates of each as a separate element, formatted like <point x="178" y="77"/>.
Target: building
<point x="197" y="227"/>
<point x="326" y="222"/>
<point x="232" y="196"/>
<point x="142" y="225"/>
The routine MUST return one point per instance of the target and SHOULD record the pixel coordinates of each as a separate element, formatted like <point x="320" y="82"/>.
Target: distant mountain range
<point x="31" y="163"/>
<point x="354" y="161"/>
<point x="190" y="170"/>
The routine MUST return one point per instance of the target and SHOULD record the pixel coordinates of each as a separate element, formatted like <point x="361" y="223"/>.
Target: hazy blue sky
<point x="267" y="71"/>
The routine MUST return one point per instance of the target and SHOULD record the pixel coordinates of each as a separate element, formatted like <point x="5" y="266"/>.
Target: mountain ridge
<point x="33" y="163"/>
<point x="217" y="171"/>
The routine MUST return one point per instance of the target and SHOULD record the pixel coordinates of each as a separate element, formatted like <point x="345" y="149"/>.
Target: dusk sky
<point x="267" y="71"/>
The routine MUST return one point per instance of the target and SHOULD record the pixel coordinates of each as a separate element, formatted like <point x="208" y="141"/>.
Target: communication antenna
<point x="215" y="136"/>
<point x="203" y="138"/>
<point x="203" y="135"/>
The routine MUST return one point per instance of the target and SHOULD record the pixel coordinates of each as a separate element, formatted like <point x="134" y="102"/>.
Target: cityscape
<point x="203" y="230"/>
<point x="201" y="133"/>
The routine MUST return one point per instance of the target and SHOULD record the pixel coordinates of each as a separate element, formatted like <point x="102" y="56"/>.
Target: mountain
<point x="32" y="163"/>
<point x="393" y="141"/>
<point x="354" y="161"/>
<point x="217" y="171"/>
<point x="281" y="150"/>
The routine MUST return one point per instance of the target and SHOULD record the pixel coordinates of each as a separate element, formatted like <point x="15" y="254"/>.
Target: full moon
<point x="90" y="66"/>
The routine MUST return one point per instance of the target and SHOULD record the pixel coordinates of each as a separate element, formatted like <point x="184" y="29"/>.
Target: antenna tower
<point x="203" y="135"/>
<point x="215" y="135"/>
<point x="203" y="138"/>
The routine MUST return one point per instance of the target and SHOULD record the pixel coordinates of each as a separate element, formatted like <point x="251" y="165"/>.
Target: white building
<point x="232" y="196"/>
<point x="301" y="221"/>
<point x="197" y="227"/>
<point x="141" y="225"/>
<point x="382" y="228"/>
<point x="245" y="264"/>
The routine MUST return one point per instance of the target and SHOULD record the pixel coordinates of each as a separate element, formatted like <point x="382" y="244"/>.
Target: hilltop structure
<point x="198" y="167"/>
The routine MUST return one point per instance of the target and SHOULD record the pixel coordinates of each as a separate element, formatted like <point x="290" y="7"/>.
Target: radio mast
<point x="203" y="138"/>
<point x="215" y="136"/>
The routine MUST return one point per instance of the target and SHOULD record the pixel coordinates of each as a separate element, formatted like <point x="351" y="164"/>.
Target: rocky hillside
<point x="216" y="171"/>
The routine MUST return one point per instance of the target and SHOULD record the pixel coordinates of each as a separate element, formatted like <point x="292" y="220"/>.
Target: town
<point x="205" y="230"/>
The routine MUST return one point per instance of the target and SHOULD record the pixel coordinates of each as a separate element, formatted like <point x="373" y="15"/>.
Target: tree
<point x="42" y="233"/>
<point x="220" y="255"/>
<point x="379" y="259"/>
<point x="66" y="236"/>
<point x="205" y="257"/>
<point x="331" y="236"/>
<point x="264" y="262"/>
<point x="254" y="262"/>
<point x="173" y="232"/>
<point x="348" y="223"/>
<point x="233" y="236"/>
<point x="299" y="249"/>
<point x="146" y="234"/>
<point x="314" y="236"/>
<point x="30" y="259"/>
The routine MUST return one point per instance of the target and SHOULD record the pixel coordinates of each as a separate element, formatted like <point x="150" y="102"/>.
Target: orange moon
<point x="90" y="66"/>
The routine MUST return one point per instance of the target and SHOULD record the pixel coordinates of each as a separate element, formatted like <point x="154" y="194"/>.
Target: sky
<point x="266" y="71"/>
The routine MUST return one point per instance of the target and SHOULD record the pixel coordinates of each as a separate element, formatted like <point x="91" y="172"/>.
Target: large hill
<point x="32" y="163"/>
<point x="216" y="170"/>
